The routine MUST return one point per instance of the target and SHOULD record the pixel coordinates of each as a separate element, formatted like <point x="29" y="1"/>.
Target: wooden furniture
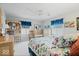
<point x="1" y="38"/>
<point x="6" y="46"/>
<point x="47" y="32"/>
<point x="17" y="31"/>
<point x="17" y="24"/>
<point x="9" y="31"/>
<point x="74" y="49"/>
<point x="31" y="34"/>
<point x="13" y="24"/>
<point x="35" y="33"/>
<point x="38" y="32"/>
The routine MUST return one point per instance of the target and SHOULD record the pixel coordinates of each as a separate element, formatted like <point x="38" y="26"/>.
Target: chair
<point x="74" y="49"/>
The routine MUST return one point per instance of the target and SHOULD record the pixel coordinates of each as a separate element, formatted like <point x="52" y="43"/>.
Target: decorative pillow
<point x="57" y="41"/>
<point x="67" y="41"/>
<point x="62" y="42"/>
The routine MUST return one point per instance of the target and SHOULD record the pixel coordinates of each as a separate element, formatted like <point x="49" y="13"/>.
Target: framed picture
<point x="77" y="21"/>
<point x="69" y="24"/>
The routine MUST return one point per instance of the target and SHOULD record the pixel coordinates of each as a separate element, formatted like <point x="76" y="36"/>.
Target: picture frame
<point x="77" y="23"/>
<point x="69" y="24"/>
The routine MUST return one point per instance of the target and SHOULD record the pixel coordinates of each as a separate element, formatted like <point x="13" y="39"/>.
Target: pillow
<point x="57" y="41"/>
<point x="67" y="41"/>
<point x="62" y="42"/>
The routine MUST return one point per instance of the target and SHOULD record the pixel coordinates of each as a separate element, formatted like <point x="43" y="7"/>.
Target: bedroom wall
<point x="72" y="17"/>
<point x="66" y="31"/>
<point x="25" y="31"/>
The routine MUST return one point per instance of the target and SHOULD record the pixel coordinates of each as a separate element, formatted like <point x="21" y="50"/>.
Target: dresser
<point x="6" y="46"/>
<point x="35" y="33"/>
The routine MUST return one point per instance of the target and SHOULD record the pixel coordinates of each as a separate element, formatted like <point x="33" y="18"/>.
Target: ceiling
<point x="39" y="11"/>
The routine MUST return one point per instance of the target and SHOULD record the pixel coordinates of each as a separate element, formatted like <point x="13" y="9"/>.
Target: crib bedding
<point x="51" y="52"/>
<point x="44" y="46"/>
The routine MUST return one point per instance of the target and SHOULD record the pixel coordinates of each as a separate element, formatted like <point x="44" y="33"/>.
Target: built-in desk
<point x="6" y="46"/>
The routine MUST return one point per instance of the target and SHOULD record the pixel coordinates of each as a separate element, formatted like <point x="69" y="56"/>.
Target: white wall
<point x="25" y="31"/>
<point x="34" y="22"/>
<point x="66" y="31"/>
